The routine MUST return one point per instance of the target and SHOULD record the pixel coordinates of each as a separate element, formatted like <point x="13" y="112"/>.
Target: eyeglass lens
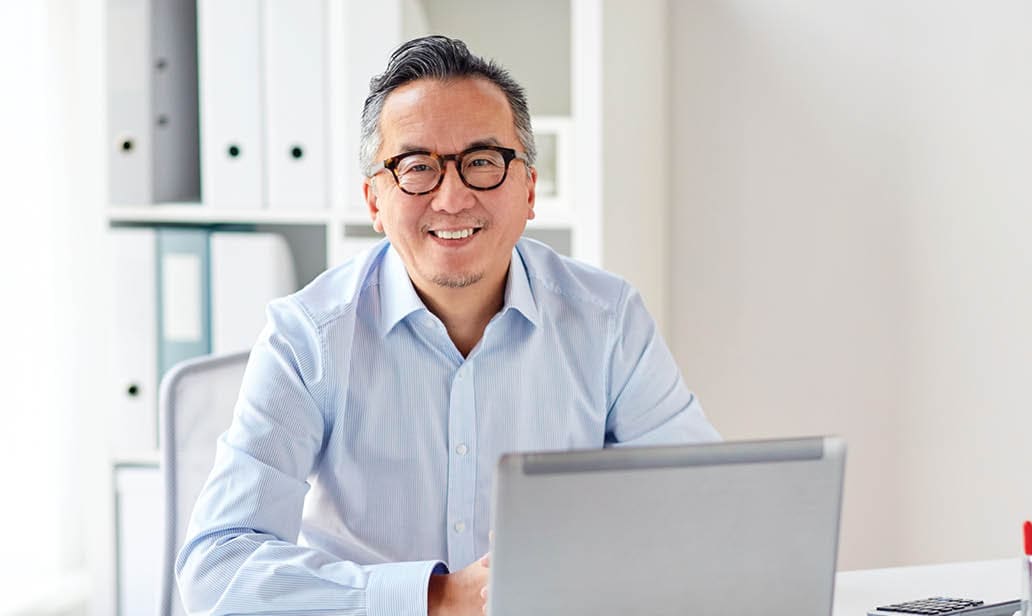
<point x="418" y="173"/>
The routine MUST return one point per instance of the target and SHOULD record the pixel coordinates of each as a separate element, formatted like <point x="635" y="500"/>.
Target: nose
<point x="452" y="196"/>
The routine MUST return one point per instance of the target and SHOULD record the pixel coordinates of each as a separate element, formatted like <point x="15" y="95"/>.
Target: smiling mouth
<point x="455" y="234"/>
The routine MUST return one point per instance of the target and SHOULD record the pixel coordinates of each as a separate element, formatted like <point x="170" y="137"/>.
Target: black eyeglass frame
<point x="508" y="155"/>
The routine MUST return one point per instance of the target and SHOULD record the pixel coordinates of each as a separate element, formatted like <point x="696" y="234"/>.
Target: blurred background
<point x="826" y="206"/>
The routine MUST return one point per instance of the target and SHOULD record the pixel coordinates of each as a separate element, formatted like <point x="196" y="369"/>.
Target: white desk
<point x="993" y="581"/>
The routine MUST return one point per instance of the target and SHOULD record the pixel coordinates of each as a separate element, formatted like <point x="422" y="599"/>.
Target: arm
<point x="648" y="401"/>
<point x="240" y="553"/>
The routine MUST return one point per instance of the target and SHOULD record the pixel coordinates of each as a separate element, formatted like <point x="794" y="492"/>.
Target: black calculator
<point x="947" y="606"/>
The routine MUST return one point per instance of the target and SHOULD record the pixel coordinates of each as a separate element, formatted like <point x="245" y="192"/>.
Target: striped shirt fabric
<point x="361" y="455"/>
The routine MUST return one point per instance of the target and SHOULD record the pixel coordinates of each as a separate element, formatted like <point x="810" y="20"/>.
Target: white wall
<point x="634" y="105"/>
<point x="53" y="300"/>
<point x="849" y="212"/>
<point x="969" y="260"/>
<point x="29" y="310"/>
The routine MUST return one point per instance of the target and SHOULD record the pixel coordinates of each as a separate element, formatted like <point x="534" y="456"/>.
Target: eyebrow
<point x="409" y="147"/>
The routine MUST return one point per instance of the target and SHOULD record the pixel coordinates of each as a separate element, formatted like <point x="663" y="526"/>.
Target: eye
<point x="417" y="165"/>
<point x="483" y="160"/>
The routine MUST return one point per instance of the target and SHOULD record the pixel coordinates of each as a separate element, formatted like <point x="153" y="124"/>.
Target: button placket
<point x="461" y="467"/>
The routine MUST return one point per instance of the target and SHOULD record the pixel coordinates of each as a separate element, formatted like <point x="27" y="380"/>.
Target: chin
<point x="457" y="281"/>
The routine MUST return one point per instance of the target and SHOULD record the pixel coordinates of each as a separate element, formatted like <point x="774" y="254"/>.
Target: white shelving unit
<point x="197" y="214"/>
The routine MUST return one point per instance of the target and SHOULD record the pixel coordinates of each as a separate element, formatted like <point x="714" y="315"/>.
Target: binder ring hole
<point x="133" y="390"/>
<point x="161" y="64"/>
<point x="162" y="120"/>
<point x="297" y="152"/>
<point x="234" y="151"/>
<point x="127" y="145"/>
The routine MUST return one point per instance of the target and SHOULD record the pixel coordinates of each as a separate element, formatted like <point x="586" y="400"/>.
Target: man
<point x="357" y="471"/>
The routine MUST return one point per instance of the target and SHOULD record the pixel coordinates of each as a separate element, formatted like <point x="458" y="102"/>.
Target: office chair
<point x="195" y="406"/>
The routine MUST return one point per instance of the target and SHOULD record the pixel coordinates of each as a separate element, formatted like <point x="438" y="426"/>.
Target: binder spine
<point x="133" y="348"/>
<point x="129" y="100"/>
<point x="153" y="140"/>
<point x="177" y="164"/>
<point x="295" y="93"/>
<point x="184" y="296"/>
<point x="232" y="133"/>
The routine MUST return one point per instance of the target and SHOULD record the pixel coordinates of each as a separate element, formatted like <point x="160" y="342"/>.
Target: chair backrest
<point x="195" y="404"/>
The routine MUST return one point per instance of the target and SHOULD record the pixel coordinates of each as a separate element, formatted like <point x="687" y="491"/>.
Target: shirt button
<point x="460" y="527"/>
<point x="461" y="374"/>
<point x="461" y="449"/>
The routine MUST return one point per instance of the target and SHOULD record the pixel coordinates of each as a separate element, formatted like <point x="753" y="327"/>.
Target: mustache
<point x="452" y="223"/>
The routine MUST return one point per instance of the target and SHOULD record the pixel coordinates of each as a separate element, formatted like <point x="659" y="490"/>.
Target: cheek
<point x="516" y="209"/>
<point x="401" y="218"/>
<point x="411" y="219"/>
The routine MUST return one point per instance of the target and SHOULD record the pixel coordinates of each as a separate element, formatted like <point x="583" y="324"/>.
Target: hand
<point x="462" y="593"/>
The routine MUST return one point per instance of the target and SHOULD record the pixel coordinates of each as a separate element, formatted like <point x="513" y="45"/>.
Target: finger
<point x="485" y="560"/>
<point x="483" y="593"/>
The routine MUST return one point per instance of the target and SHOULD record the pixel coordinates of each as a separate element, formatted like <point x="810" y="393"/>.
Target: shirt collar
<point x="518" y="294"/>
<point x="399" y="299"/>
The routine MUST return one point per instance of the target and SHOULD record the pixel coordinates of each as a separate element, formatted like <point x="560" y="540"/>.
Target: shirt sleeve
<point x="649" y="403"/>
<point x="240" y="554"/>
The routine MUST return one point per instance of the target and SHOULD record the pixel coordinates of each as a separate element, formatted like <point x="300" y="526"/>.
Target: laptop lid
<point x="705" y="530"/>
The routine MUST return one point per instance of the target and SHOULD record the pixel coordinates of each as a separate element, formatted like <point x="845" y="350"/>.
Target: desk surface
<point x="991" y="580"/>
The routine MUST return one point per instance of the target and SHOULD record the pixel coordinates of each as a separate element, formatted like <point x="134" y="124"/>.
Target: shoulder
<point x="336" y="292"/>
<point x="569" y="280"/>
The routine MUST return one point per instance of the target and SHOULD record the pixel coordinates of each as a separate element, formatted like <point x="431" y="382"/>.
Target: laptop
<point x="701" y="530"/>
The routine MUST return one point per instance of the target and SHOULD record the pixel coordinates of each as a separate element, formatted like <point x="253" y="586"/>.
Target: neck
<point x="466" y="311"/>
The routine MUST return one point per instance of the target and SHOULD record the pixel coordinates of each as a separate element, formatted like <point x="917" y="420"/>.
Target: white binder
<point x="139" y="526"/>
<point x="134" y="350"/>
<point x="232" y="144"/>
<point x="248" y="270"/>
<point x="357" y="53"/>
<point x="294" y="38"/>
<point x="152" y="101"/>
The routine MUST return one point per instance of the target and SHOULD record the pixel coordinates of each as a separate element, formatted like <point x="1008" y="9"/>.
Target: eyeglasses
<point x="483" y="167"/>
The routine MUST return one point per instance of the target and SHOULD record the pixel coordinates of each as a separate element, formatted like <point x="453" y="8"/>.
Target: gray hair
<point x="441" y="58"/>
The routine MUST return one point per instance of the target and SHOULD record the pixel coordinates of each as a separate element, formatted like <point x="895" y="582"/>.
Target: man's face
<point x="447" y="117"/>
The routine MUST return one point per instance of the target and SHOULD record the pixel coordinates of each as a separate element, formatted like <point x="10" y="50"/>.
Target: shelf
<point x="186" y="213"/>
<point x="194" y="214"/>
<point x="142" y="457"/>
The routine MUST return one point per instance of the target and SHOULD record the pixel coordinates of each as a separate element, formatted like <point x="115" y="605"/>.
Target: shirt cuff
<point x="400" y="589"/>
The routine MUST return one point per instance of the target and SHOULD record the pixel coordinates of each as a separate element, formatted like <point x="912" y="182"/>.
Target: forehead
<point x="446" y="115"/>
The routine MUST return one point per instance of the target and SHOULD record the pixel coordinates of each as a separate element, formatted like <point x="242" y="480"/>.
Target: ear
<point x="531" y="193"/>
<point x="369" y="192"/>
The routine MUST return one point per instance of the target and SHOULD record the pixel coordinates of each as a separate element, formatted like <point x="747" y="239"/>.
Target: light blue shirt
<point x="363" y="445"/>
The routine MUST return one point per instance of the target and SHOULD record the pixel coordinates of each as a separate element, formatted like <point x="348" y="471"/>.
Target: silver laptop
<point x="701" y="530"/>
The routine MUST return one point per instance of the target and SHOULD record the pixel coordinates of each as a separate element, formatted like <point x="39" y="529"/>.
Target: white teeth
<point x="453" y="235"/>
